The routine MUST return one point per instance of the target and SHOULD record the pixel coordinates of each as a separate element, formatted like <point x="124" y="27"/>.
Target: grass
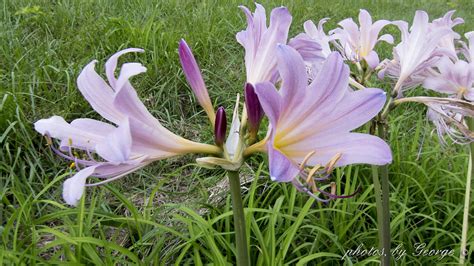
<point x="163" y="214"/>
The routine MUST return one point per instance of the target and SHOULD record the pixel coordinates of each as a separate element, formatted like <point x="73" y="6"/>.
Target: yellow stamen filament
<point x="333" y="161"/>
<point x="313" y="170"/>
<point x="305" y="160"/>
<point x="72" y="165"/>
<point x="333" y="188"/>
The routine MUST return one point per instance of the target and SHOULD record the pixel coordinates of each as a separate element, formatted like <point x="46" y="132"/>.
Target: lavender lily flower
<point x="316" y="119"/>
<point x="468" y="49"/>
<point x="447" y="21"/>
<point x="357" y="43"/>
<point x="417" y="52"/>
<point x="448" y="115"/>
<point x="260" y="42"/>
<point x="133" y="140"/>
<point x="313" y="45"/>
<point x="455" y="79"/>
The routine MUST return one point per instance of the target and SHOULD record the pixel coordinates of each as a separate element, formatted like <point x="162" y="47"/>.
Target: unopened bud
<point x="254" y="109"/>
<point x="220" y="127"/>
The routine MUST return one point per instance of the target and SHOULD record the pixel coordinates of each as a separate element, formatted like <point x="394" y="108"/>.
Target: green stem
<point x="467" y="195"/>
<point x="382" y="198"/>
<point x="243" y="258"/>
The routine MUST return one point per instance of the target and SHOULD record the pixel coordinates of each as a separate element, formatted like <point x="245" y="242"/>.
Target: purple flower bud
<point x="193" y="76"/>
<point x="220" y="126"/>
<point x="254" y="109"/>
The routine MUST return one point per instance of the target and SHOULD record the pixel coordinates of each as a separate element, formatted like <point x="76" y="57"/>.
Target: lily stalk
<point x="382" y="200"/>
<point x="467" y="198"/>
<point x="243" y="258"/>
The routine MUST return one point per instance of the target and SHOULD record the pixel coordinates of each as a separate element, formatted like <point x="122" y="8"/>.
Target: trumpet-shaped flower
<point x="317" y="118"/>
<point x="447" y="41"/>
<point x="468" y="49"/>
<point x="448" y="115"/>
<point x="260" y="41"/>
<point x="418" y="51"/>
<point x="357" y="43"/>
<point x="313" y="45"/>
<point x="110" y="151"/>
<point x="455" y="79"/>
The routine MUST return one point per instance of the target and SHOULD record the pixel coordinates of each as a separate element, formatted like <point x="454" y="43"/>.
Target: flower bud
<point x="193" y="76"/>
<point x="220" y="127"/>
<point x="254" y="110"/>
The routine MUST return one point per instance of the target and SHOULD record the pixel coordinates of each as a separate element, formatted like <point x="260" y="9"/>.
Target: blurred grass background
<point x="162" y="214"/>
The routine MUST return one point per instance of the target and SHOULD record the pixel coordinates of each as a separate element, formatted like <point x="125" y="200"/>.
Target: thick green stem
<point x="467" y="198"/>
<point x="382" y="193"/>
<point x="239" y="219"/>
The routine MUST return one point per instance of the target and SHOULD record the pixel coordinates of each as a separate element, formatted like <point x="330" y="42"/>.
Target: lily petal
<point x="73" y="187"/>
<point x="281" y="168"/>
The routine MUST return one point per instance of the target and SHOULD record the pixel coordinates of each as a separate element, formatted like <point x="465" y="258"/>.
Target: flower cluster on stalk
<point x="304" y="86"/>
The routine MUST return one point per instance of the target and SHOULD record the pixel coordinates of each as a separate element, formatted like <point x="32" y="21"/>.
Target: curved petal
<point x="293" y="74"/>
<point x="354" y="147"/>
<point x="320" y="97"/>
<point x="73" y="187"/>
<point x="354" y="110"/>
<point x="111" y="64"/>
<point x="76" y="135"/>
<point x="98" y="93"/>
<point x="281" y="168"/>
<point x="98" y="128"/>
<point x="439" y="84"/>
<point x="127" y="71"/>
<point x="372" y="59"/>
<point x="270" y="100"/>
<point x="386" y="38"/>
<point x="116" y="147"/>
<point x="126" y="99"/>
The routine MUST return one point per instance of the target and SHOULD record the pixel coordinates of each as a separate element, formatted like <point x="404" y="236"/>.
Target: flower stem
<point x="243" y="258"/>
<point x="467" y="196"/>
<point x="382" y="190"/>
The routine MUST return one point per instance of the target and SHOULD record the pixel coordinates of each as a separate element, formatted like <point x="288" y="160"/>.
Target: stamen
<point x="305" y="160"/>
<point x="332" y="162"/>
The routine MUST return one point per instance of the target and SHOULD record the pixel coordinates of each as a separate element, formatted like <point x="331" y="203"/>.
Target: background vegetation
<point x="173" y="211"/>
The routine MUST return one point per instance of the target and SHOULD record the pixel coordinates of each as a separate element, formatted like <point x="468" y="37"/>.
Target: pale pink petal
<point x="439" y="84"/>
<point x="56" y="127"/>
<point x="127" y="71"/>
<point x="386" y="38"/>
<point x="73" y="187"/>
<point x="116" y="146"/>
<point x="372" y="59"/>
<point x="111" y="64"/>
<point x="98" y="93"/>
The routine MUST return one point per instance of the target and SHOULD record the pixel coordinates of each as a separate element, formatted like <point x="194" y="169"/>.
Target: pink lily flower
<point x="447" y="41"/>
<point x="316" y="119"/>
<point x="260" y="41"/>
<point x="468" y="49"/>
<point x="455" y="79"/>
<point x="357" y="43"/>
<point x="132" y="140"/>
<point x="418" y="51"/>
<point x="313" y="45"/>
